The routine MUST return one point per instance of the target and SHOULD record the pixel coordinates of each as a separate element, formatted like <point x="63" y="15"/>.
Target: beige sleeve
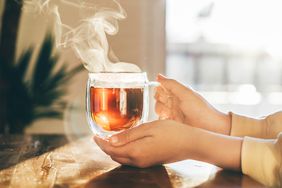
<point x="262" y="160"/>
<point x="267" y="127"/>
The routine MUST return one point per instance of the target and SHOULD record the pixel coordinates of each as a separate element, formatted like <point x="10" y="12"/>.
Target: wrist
<point x="224" y="123"/>
<point x="194" y="140"/>
<point x="227" y="119"/>
<point x="221" y="150"/>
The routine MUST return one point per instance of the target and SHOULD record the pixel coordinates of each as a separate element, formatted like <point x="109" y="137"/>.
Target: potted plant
<point x="25" y="98"/>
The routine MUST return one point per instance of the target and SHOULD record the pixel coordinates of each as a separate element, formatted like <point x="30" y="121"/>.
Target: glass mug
<point x="116" y="101"/>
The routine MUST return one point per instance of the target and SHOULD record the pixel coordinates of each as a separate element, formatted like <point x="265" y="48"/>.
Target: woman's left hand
<point x="153" y="143"/>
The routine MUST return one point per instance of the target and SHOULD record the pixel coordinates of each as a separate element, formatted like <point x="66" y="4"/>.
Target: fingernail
<point x="114" y="140"/>
<point x="160" y="77"/>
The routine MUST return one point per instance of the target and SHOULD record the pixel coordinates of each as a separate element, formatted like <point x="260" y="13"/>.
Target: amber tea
<point x="116" y="101"/>
<point x="115" y="109"/>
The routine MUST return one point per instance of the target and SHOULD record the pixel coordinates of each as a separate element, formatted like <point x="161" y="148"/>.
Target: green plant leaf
<point x="44" y="64"/>
<point x="41" y="95"/>
<point x="23" y="63"/>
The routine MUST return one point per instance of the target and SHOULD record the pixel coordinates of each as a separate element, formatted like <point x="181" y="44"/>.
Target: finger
<point x="162" y="110"/>
<point x="176" y="112"/>
<point x="130" y="135"/>
<point x="103" y="144"/>
<point x="160" y="76"/>
<point x="160" y="90"/>
<point x="120" y="152"/>
<point x="177" y="115"/>
<point x="161" y="87"/>
<point x="172" y="86"/>
<point x="165" y="112"/>
<point x="122" y="160"/>
<point x="98" y="140"/>
<point x="164" y="98"/>
<point x="137" y="155"/>
<point x="140" y="151"/>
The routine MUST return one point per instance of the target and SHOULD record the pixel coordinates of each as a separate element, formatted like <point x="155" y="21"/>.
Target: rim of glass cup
<point x="91" y="74"/>
<point x="119" y="79"/>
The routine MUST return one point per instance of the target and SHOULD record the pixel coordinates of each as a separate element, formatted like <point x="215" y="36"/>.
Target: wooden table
<point x="54" y="161"/>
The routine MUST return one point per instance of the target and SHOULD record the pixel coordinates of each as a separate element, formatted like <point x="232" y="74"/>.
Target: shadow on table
<point x="225" y="178"/>
<point x="17" y="148"/>
<point x="125" y="176"/>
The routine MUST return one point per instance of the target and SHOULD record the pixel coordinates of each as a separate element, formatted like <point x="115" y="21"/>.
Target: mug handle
<point x="153" y="84"/>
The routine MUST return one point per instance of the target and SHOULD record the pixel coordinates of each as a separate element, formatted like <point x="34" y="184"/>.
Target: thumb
<point x="129" y="135"/>
<point x="172" y="86"/>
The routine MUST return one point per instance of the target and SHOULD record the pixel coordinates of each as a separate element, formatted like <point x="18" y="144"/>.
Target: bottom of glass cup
<point x="98" y="131"/>
<point x="106" y="134"/>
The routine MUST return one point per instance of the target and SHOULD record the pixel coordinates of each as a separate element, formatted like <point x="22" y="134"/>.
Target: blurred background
<point x="228" y="50"/>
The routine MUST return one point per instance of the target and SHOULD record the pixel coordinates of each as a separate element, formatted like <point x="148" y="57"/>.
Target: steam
<point x="88" y="38"/>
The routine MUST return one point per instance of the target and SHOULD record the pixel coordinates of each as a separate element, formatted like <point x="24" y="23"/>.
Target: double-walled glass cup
<point x="116" y="101"/>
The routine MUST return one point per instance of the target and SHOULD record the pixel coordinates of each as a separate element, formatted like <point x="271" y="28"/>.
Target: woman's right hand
<point x="180" y="103"/>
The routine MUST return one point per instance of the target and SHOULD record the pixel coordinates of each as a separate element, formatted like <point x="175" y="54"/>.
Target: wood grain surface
<point x="53" y="161"/>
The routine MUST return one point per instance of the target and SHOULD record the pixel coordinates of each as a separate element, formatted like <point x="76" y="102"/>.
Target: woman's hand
<point x="177" y="102"/>
<point x="166" y="141"/>
<point x="149" y="144"/>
